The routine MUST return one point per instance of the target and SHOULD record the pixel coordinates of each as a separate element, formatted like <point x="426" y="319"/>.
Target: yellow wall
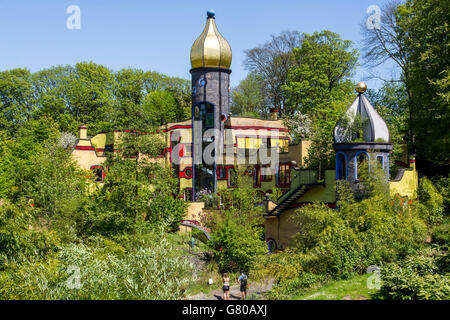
<point x="281" y="228"/>
<point x="407" y="186"/>
<point x="193" y="212"/>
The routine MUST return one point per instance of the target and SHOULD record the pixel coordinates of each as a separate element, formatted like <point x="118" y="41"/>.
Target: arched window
<point x="380" y="162"/>
<point x="341" y="166"/>
<point x="361" y="166"/>
<point x="99" y="173"/>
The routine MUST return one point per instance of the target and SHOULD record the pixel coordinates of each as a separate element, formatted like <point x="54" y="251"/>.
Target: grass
<point x="351" y="289"/>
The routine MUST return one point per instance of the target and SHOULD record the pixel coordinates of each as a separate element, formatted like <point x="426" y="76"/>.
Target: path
<point x="235" y="294"/>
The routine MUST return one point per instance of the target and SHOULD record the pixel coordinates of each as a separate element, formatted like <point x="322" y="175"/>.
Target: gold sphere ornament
<point x="361" y="87"/>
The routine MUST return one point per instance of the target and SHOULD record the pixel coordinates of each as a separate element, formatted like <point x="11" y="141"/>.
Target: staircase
<point x="303" y="180"/>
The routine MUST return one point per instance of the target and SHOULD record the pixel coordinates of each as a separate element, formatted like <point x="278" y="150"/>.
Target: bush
<point x="18" y="240"/>
<point x="236" y="245"/>
<point x="441" y="233"/>
<point x="417" y="277"/>
<point x="431" y="204"/>
<point x="297" y="285"/>
<point x="356" y="235"/>
<point x="101" y="271"/>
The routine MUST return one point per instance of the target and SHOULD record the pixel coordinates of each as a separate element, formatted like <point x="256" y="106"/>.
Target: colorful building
<point x="206" y="150"/>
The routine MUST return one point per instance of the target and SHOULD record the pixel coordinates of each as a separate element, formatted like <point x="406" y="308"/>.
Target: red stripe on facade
<point x="257" y="128"/>
<point x="177" y="127"/>
<point x="84" y="148"/>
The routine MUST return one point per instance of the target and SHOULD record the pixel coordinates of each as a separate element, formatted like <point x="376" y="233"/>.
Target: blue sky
<point x="157" y="35"/>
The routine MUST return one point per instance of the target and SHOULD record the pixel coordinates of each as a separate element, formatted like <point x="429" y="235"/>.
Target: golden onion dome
<point x="211" y="49"/>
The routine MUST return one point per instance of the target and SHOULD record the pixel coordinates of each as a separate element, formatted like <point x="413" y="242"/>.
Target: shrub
<point x="358" y="234"/>
<point x="236" y="245"/>
<point x="101" y="271"/>
<point x="297" y="285"/>
<point x="18" y="240"/>
<point x="441" y="233"/>
<point x="417" y="277"/>
<point x="431" y="204"/>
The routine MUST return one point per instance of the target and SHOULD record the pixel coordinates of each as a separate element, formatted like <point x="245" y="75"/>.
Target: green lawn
<point x="350" y="289"/>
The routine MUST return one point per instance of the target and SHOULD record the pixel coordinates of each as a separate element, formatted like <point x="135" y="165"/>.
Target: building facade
<point x="206" y="150"/>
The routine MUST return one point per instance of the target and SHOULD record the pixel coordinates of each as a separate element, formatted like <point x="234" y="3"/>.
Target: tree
<point x="318" y="84"/>
<point x="272" y="61"/>
<point x="249" y="97"/>
<point x="318" y="87"/>
<point x="423" y="28"/>
<point x="16" y="98"/>
<point x="161" y="108"/>
<point x="90" y="97"/>
<point x="391" y="102"/>
<point x="386" y="43"/>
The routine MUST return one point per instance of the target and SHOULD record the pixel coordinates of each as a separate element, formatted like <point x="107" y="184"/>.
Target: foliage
<point x="92" y="95"/>
<point x="236" y="245"/>
<point x="299" y="125"/>
<point x="318" y="85"/>
<point x="210" y="198"/>
<point x="430" y="202"/>
<point x="271" y="63"/>
<point x="248" y="96"/>
<point x="441" y="233"/>
<point x="104" y="272"/>
<point x="423" y="27"/>
<point x="19" y="239"/>
<point x="338" y="243"/>
<point x="417" y="277"/>
<point x="56" y="184"/>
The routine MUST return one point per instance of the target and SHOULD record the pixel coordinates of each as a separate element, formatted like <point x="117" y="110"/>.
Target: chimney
<point x="412" y="161"/>
<point x="82" y="132"/>
<point x="273" y="114"/>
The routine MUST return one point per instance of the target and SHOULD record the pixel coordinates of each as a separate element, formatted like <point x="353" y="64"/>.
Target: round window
<point x="188" y="173"/>
<point x="202" y="82"/>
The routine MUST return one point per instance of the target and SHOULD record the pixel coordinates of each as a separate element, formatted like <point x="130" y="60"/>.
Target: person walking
<point x="243" y="282"/>
<point x="226" y="286"/>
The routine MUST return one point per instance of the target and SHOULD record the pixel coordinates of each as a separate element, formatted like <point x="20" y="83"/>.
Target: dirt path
<point x="235" y="294"/>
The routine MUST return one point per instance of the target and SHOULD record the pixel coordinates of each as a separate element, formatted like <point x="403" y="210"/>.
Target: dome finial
<point x="211" y="13"/>
<point x="211" y="50"/>
<point x="361" y="87"/>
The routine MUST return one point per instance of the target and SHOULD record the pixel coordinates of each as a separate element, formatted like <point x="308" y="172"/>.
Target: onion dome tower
<point x="210" y="61"/>
<point x="361" y="135"/>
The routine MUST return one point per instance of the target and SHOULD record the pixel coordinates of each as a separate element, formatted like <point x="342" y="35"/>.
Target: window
<point x="188" y="150"/>
<point x="362" y="166"/>
<point x="281" y="144"/>
<point x="341" y="166"/>
<point x="266" y="173"/>
<point x="257" y="177"/>
<point x="380" y="161"/>
<point x="284" y="175"/>
<point x="98" y="172"/>
<point x="221" y="173"/>
<point x="232" y="177"/>
<point x="188" y="194"/>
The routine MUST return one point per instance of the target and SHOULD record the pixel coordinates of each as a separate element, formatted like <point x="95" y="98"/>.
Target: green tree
<point x="423" y="26"/>
<point x="16" y="98"/>
<point x="90" y="97"/>
<point x="318" y="86"/>
<point x="272" y="62"/>
<point x="249" y="97"/>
